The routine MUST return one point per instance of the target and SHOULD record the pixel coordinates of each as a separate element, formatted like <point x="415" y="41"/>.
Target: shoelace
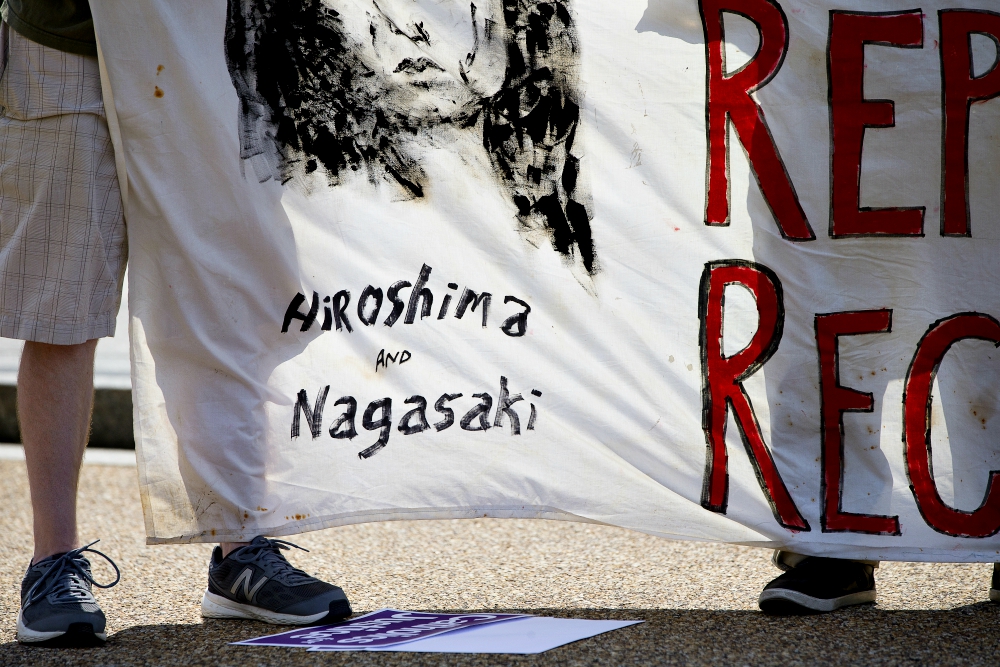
<point x="269" y="551"/>
<point x="65" y="578"/>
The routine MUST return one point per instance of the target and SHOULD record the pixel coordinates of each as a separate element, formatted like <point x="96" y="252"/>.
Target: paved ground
<point x="698" y="600"/>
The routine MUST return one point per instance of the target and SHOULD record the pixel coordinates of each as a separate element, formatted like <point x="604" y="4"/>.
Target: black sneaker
<point x="256" y="582"/>
<point x="58" y="609"/>
<point x="819" y="585"/>
<point x="995" y="585"/>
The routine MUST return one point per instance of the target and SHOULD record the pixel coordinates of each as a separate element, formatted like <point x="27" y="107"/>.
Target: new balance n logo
<point x="246" y="576"/>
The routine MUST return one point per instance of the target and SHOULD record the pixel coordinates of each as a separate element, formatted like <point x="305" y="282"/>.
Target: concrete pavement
<point x="698" y="600"/>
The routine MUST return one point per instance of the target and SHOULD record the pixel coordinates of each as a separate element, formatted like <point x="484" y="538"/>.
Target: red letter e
<point x="837" y="399"/>
<point x="851" y="113"/>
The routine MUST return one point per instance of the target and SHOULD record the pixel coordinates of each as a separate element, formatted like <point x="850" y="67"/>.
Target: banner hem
<point x="420" y="514"/>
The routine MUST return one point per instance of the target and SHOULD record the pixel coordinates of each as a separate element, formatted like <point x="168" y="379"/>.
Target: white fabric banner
<point x="403" y="259"/>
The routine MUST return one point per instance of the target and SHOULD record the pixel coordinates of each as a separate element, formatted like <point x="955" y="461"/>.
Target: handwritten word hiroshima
<point x="335" y="308"/>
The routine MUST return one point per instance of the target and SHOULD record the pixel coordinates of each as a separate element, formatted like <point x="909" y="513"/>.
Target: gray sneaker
<point x="58" y="609"/>
<point x="256" y="582"/>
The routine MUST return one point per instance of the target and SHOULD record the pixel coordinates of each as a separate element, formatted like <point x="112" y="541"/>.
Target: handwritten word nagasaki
<point x="378" y="416"/>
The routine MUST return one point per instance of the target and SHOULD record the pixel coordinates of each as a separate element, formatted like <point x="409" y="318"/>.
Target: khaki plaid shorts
<point x="63" y="244"/>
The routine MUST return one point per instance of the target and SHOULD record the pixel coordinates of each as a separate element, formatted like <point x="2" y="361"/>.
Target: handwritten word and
<point x="385" y="358"/>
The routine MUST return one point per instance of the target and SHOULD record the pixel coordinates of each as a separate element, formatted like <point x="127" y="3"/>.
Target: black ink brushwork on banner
<point x="337" y="91"/>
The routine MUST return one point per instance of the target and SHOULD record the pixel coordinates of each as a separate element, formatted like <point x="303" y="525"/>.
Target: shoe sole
<point x="77" y="635"/>
<point x="216" y="606"/>
<point x="995" y="595"/>
<point x="782" y="602"/>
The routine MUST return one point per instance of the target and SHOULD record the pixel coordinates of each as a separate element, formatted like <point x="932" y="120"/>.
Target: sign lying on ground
<point x="719" y="270"/>
<point x="431" y="632"/>
<point x="378" y="630"/>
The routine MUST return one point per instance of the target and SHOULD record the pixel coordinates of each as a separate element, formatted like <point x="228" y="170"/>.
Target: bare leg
<point x="55" y="396"/>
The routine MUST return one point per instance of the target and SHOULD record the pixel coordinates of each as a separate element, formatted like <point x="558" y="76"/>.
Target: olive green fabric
<point x="61" y="24"/>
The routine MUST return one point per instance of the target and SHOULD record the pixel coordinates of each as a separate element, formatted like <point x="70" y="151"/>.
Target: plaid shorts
<point x="63" y="244"/>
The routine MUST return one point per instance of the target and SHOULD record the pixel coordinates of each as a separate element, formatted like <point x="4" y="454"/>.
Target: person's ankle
<point x="229" y="547"/>
<point x="43" y="552"/>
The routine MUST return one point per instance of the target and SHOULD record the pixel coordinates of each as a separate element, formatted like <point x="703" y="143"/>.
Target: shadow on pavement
<point x="967" y="635"/>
